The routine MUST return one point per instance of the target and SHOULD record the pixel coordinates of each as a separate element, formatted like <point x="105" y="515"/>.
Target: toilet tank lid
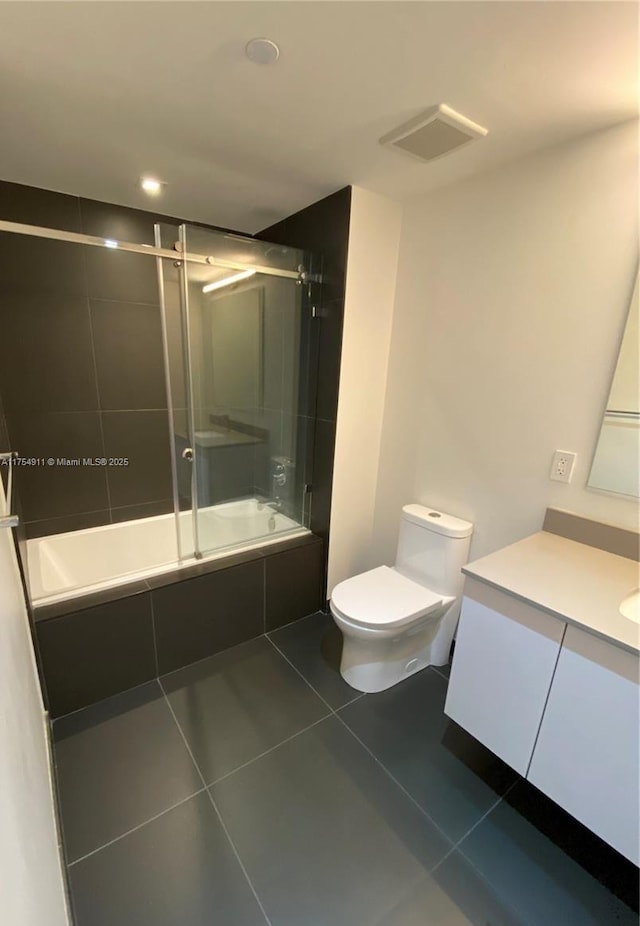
<point x="437" y="521"/>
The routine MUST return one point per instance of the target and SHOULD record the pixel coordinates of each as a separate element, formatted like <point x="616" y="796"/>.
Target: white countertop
<point x="577" y="583"/>
<point x="227" y="438"/>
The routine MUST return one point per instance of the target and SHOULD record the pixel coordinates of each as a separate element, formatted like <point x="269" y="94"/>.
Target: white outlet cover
<point x="562" y="465"/>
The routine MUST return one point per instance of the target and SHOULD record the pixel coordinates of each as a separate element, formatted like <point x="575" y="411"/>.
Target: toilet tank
<point x="432" y="548"/>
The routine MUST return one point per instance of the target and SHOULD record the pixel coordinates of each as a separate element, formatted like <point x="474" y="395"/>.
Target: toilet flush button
<point x="435" y="514"/>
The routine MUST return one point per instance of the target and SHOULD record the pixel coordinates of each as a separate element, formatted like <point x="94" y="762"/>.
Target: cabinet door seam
<point x="546" y="701"/>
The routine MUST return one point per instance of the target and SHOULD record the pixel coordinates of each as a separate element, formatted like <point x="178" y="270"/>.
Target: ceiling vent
<point x="434" y="133"/>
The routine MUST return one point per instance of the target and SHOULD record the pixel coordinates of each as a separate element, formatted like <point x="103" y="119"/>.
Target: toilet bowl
<point x="397" y="620"/>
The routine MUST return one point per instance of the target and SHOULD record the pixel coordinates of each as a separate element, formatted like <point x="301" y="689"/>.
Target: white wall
<point x="512" y="294"/>
<point x="374" y="236"/>
<point x="31" y="885"/>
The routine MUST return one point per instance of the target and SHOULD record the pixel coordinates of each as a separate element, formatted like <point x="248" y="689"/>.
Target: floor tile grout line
<point x="190" y="665"/>
<point x="249" y="761"/>
<point x="296" y="620"/>
<point x="237" y="855"/>
<point x="59" y="818"/>
<point x="352" y="701"/>
<point x="137" y="827"/>
<point x="297" y="670"/>
<point x="365" y="747"/>
<point x="424" y="813"/>
<point x="118" y="694"/>
<point x="511" y="907"/>
<point x="215" y="808"/>
<point x="456" y="846"/>
<point x="441" y="674"/>
<point x="181" y="732"/>
<point x="268" y="751"/>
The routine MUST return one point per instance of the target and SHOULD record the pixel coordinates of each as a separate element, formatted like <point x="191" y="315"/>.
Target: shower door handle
<point x="187" y="454"/>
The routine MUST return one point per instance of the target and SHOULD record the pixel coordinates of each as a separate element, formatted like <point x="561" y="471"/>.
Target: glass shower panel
<point x="245" y="337"/>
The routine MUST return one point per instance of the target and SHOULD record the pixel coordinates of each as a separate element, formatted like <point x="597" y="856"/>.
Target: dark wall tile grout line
<point x="336" y="714"/>
<point x="95" y="374"/>
<point x="74" y="514"/>
<point x="155" y="501"/>
<point x="264" y="595"/>
<point x="123" y="301"/>
<point x="215" y="808"/>
<point x="155" y="641"/>
<point x="100" y="410"/>
<point x="135" y="828"/>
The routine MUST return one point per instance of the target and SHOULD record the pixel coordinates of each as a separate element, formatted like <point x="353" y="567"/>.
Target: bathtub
<point x="63" y="566"/>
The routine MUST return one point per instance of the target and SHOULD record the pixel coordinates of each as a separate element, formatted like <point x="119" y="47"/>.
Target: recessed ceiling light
<point x="262" y="51"/>
<point x="150" y="185"/>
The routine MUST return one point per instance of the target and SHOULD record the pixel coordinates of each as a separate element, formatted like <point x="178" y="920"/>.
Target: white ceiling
<point x="92" y="94"/>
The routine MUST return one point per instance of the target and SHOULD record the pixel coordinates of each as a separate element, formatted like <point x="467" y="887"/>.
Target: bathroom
<point x="178" y="742"/>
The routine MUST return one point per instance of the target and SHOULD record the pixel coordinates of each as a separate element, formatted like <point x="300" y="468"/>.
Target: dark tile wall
<point x="19" y="534"/>
<point x="322" y="228"/>
<point x="81" y="368"/>
<point x="92" y="654"/>
<point x="4" y="434"/>
<point x="81" y="365"/>
<point x="102" y="644"/>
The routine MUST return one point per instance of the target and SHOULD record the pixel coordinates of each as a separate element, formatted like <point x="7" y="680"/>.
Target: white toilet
<point x="396" y="621"/>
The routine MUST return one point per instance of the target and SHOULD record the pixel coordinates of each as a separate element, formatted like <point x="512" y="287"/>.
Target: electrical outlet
<point x="562" y="466"/>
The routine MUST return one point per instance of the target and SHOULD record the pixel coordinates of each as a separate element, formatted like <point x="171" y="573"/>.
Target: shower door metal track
<point x="39" y="231"/>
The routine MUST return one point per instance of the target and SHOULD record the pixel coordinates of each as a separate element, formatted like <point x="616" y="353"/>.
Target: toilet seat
<point x="382" y="597"/>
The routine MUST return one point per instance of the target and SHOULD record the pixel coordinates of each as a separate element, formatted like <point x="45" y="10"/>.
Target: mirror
<point x="234" y="323"/>
<point x="616" y="463"/>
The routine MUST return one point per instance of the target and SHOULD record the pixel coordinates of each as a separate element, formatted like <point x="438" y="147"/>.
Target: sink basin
<point x="630" y="606"/>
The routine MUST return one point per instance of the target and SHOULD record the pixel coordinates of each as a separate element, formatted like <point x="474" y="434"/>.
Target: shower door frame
<point x="181" y="257"/>
<point x="301" y="276"/>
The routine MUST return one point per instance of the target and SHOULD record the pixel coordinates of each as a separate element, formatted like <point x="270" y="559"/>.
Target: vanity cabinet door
<point x="586" y="757"/>
<point x="501" y="674"/>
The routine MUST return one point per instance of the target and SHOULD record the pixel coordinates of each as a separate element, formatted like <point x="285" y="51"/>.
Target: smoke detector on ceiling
<point x="262" y="51"/>
<point x="434" y="133"/>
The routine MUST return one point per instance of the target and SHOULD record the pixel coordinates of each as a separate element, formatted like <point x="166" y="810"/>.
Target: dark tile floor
<point x="257" y="787"/>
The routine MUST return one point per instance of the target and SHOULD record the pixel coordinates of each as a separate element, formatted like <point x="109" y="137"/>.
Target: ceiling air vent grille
<point x="434" y="133"/>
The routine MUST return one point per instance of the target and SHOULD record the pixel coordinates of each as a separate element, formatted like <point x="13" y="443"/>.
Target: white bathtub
<point x="68" y="565"/>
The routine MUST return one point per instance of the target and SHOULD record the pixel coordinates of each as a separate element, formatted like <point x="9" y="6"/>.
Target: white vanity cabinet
<point x="556" y="702"/>
<point x="586" y="756"/>
<point x="505" y="655"/>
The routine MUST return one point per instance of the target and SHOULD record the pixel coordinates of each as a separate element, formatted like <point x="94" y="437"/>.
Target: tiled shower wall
<point x="322" y="228"/>
<point x="81" y="369"/>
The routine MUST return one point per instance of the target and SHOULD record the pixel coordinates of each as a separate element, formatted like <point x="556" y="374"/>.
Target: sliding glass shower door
<point x="240" y="353"/>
